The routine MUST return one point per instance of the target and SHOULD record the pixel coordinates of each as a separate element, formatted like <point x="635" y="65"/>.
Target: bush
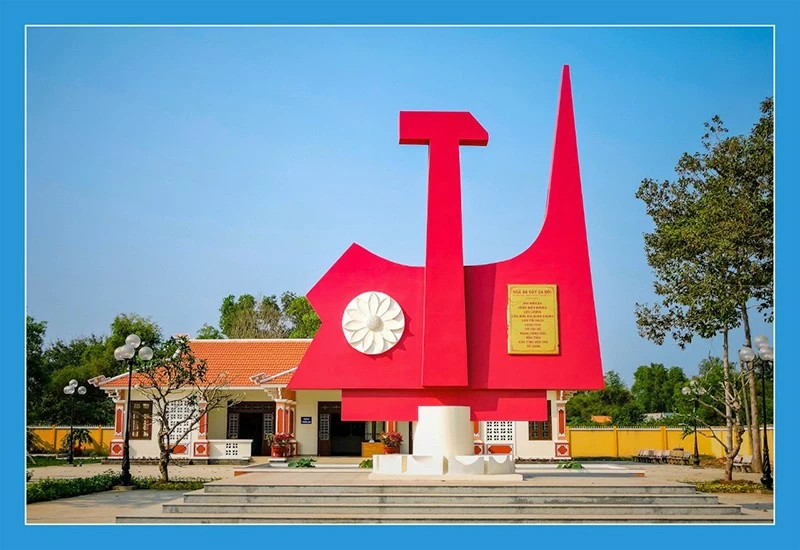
<point x="52" y="489"/>
<point x="366" y="463"/>
<point x="570" y="465"/>
<point x="176" y="484"/>
<point x="302" y="463"/>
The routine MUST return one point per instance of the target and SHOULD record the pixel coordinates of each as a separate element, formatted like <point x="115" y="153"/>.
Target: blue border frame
<point x="15" y="14"/>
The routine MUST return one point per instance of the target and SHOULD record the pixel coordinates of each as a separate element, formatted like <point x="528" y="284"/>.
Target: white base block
<point x="482" y="478"/>
<point x="500" y="464"/>
<point x="443" y="440"/>
<point x="426" y="465"/>
<point x="389" y="464"/>
<point x="466" y="465"/>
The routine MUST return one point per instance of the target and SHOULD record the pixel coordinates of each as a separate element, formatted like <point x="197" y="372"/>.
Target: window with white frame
<point x="500" y="432"/>
<point x="180" y="415"/>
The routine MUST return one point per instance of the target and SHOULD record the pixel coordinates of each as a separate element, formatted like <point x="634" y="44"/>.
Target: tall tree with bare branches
<point x="182" y="393"/>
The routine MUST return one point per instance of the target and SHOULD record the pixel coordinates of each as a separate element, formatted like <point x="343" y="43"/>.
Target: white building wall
<point x="523" y="448"/>
<point x="307" y="405"/>
<point x="148" y="448"/>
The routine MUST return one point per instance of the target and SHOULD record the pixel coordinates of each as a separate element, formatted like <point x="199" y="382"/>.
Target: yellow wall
<point x="51" y="436"/>
<point x="622" y="442"/>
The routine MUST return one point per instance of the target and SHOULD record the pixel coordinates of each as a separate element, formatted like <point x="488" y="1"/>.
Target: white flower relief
<point x="373" y="323"/>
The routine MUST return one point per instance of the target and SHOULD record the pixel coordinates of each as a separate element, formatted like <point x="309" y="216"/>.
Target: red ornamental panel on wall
<point x="562" y="420"/>
<point x="562" y="450"/>
<point x="200" y="448"/>
<point x="118" y="421"/>
<point x="203" y="427"/>
<point x="499" y="449"/>
<point x="116" y="448"/>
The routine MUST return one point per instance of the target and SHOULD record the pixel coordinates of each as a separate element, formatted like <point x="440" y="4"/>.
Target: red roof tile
<point x="238" y="360"/>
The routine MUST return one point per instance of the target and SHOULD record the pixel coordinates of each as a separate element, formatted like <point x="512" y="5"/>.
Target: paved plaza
<point x="105" y="507"/>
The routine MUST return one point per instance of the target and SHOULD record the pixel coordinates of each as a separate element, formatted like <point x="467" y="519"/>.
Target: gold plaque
<point x="533" y="320"/>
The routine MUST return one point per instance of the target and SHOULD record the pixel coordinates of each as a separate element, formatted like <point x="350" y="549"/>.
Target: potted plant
<point x="391" y="442"/>
<point x="279" y="444"/>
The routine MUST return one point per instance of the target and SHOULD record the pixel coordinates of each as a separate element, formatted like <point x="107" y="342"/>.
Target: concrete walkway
<point x="97" y="508"/>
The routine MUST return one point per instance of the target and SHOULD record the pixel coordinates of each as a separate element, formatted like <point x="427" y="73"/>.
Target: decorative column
<point x="560" y="425"/>
<point x="292" y="424"/>
<point x="281" y="416"/>
<point x="117" y="444"/>
<point x="201" y="445"/>
<point x="476" y="438"/>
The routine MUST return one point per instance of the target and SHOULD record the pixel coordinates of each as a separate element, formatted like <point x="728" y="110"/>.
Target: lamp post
<point x="127" y="353"/>
<point x="695" y="391"/>
<point x="70" y="389"/>
<point x="767" y="355"/>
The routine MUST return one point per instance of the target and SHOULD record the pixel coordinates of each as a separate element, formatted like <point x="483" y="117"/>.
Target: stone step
<point x="201" y="497"/>
<point x="242" y="487"/>
<point x="278" y="516"/>
<point x="427" y="509"/>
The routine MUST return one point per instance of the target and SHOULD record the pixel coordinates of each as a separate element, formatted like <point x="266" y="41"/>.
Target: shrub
<point x="52" y="489"/>
<point x="570" y="465"/>
<point x="366" y="463"/>
<point x="391" y="439"/>
<point x="302" y="463"/>
<point x="281" y="439"/>
<point x="80" y="438"/>
<point x="175" y="484"/>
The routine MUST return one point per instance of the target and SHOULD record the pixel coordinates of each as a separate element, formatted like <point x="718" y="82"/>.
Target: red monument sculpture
<point x="492" y="337"/>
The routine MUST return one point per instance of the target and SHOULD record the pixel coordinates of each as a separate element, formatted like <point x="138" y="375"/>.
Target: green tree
<point x="79" y="359"/>
<point x="711" y="248"/>
<point x="287" y="316"/>
<point x="36" y="368"/>
<point x="655" y="387"/>
<point x="303" y="319"/>
<point x="175" y="374"/>
<point x="208" y="332"/>
<point x="125" y="324"/>
<point x="606" y="402"/>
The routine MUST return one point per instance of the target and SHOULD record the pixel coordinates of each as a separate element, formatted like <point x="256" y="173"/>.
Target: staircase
<point x="351" y="498"/>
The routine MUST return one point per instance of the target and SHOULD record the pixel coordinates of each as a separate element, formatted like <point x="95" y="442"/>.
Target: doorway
<point x="252" y="420"/>
<point x="251" y="426"/>
<point x="337" y="437"/>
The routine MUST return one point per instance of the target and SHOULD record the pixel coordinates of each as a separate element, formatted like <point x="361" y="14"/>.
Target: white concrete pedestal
<point x="443" y="449"/>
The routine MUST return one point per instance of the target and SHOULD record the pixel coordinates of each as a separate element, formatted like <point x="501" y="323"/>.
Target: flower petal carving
<point x="373" y="323"/>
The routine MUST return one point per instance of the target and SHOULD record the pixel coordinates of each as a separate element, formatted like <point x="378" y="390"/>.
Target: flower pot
<point x="390" y="450"/>
<point x="277" y="451"/>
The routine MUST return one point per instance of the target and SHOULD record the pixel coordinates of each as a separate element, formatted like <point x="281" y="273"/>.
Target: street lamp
<point x="70" y="389"/>
<point x="695" y="391"/>
<point x="767" y="355"/>
<point x="126" y="353"/>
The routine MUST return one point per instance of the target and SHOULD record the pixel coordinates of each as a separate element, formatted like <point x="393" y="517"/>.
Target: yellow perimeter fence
<point x="48" y="439"/>
<point x="584" y="442"/>
<point x="627" y="442"/>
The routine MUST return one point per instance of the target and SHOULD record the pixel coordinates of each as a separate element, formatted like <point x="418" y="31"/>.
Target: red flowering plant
<point x="281" y="439"/>
<point x="391" y="439"/>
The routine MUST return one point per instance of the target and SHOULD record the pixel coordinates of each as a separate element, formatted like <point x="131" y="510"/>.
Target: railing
<point x="230" y="449"/>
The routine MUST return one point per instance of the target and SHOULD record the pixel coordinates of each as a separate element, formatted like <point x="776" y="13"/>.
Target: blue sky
<point x="170" y="167"/>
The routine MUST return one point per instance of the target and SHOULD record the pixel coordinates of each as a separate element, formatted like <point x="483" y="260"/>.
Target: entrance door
<point x="324" y="411"/>
<point x="336" y="436"/>
<point x="251" y="426"/>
